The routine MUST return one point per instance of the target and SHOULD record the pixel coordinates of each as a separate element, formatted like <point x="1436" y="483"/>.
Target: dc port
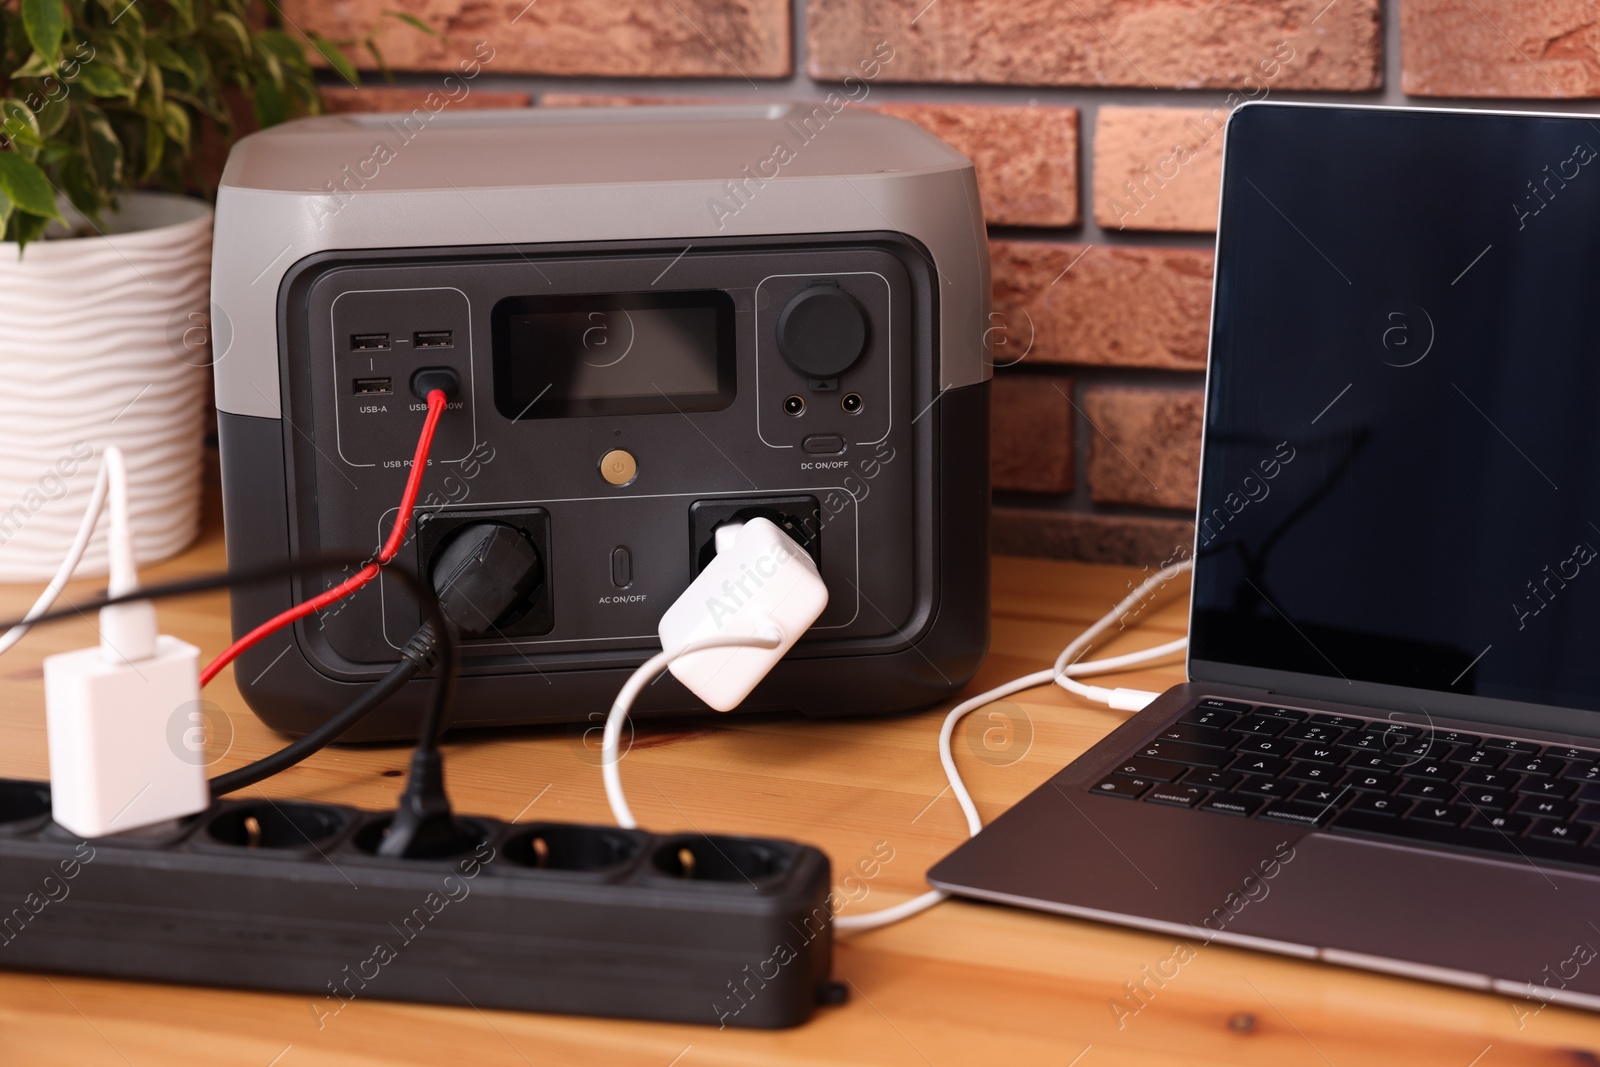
<point x="794" y="405"/>
<point x="851" y="402"/>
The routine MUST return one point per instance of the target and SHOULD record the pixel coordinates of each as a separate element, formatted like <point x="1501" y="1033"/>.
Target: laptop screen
<point x="1401" y="481"/>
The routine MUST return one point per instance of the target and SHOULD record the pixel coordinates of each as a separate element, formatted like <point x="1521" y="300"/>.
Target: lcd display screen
<point x="1402" y="475"/>
<point x="613" y="354"/>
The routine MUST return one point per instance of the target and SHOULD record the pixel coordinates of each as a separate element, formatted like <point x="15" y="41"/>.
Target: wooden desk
<point x="963" y="984"/>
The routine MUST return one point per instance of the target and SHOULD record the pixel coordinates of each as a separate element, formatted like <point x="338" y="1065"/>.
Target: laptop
<point x="1387" y="752"/>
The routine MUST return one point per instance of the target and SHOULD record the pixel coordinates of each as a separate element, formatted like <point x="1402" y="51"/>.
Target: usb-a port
<point x="372" y="386"/>
<point x="431" y="339"/>
<point x="369" y="342"/>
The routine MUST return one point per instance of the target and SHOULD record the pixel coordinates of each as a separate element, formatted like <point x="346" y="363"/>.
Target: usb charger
<point x="108" y="707"/>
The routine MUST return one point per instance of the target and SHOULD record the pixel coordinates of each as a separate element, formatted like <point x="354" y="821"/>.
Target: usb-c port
<point x="431" y="339"/>
<point x="373" y="386"/>
<point x="369" y="342"/>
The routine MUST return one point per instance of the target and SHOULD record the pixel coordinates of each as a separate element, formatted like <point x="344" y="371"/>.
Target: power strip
<point x="548" y="917"/>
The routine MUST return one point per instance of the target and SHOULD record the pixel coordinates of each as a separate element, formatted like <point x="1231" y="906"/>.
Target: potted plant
<point x="104" y="262"/>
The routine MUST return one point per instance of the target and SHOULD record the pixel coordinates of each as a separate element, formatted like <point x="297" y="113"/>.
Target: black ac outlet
<point x="547" y="917"/>
<point x="535" y="613"/>
<point x="798" y="516"/>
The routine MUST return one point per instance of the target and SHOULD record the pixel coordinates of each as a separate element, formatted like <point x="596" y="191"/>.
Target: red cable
<point x="391" y="547"/>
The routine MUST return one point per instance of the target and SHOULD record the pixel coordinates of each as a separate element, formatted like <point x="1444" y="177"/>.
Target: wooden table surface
<point x="963" y="984"/>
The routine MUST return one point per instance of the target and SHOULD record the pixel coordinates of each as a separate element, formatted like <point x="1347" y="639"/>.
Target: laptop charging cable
<point x="720" y="645"/>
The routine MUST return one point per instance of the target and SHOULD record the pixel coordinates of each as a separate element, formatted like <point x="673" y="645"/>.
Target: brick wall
<point x="1095" y="126"/>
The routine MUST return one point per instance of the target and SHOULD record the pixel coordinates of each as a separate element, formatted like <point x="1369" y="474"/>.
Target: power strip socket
<point x="547" y="917"/>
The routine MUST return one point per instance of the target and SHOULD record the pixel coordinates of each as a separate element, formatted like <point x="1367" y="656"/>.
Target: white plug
<point x="761" y="581"/>
<point x="109" y="708"/>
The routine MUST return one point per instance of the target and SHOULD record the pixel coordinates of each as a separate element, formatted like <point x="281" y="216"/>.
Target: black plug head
<point x="443" y="379"/>
<point x="423" y="826"/>
<point x="482" y="573"/>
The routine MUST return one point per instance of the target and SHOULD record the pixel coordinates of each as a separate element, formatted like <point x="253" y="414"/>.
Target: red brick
<point x="1030" y="433"/>
<point x="1144" y="445"/>
<point x="1103" y="305"/>
<point x="1027" y="157"/>
<point x="1500" y="48"/>
<point x="640" y="39"/>
<point x="1142" y="542"/>
<point x="1166" y="44"/>
<point x="342" y="99"/>
<point x="1158" y="168"/>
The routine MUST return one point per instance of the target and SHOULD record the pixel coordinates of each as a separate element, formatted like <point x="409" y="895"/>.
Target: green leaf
<point x="155" y="143"/>
<point x="415" y="23"/>
<point x="335" y="57"/>
<point x="271" y="107"/>
<point x="185" y="10"/>
<point x="37" y="66"/>
<point x="378" y="60"/>
<point x="24" y="185"/>
<point x="235" y="27"/>
<point x="27" y="228"/>
<point x="105" y="151"/>
<point x="79" y="184"/>
<point x="175" y="121"/>
<point x="19" y="130"/>
<point x="100" y="79"/>
<point x="45" y="21"/>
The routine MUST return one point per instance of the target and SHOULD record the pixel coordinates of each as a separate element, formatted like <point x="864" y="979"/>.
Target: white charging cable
<point x="69" y="563"/>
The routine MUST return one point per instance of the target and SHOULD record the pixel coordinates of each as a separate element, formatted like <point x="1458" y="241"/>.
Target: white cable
<point x="1060" y="674"/>
<point x="127" y="631"/>
<point x="611" y="739"/>
<point x="69" y="563"/>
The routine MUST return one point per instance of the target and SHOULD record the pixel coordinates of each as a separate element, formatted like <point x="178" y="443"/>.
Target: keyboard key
<point x="1425" y="749"/>
<point x="1321" y="773"/>
<point x="1439" y="814"/>
<point x="1556" y="830"/>
<point x="1269" y="725"/>
<point x="1483" y="776"/>
<point x="1284" y="713"/>
<point x="1533" y="765"/>
<point x="1363" y="761"/>
<point x="1152" y="770"/>
<point x="1218" y="704"/>
<point x="1379" y="804"/>
<point x="1478" y="757"/>
<point x="1324" y="794"/>
<point x="1256" y="745"/>
<point x="1548" y="787"/>
<point x="1588" y="814"/>
<point x="1180" y="796"/>
<point x="1422" y="789"/>
<point x="1117" y="786"/>
<point x="1455" y="737"/>
<point x="1310" y="731"/>
<point x="1485" y="799"/>
<point x="1543" y="808"/>
<point x="1392" y="729"/>
<point x="1587" y="793"/>
<point x="1298" y="812"/>
<point x="1182" y="752"/>
<point x="1509" y="744"/>
<point x="1319" y="753"/>
<point x="1270" y="766"/>
<point x="1232" y="803"/>
<point x="1502" y="846"/>
<point x="1580" y="772"/>
<point x="1266" y="787"/>
<point x="1430" y="772"/>
<point x="1509" y="825"/>
<point x="1373" y="781"/>
<point x="1341" y="722"/>
<point x="1193" y="734"/>
<point x="1213" y="779"/>
<point x="1212" y="717"/>
<point x="1364" y="742"/>
<point x="1567" y="752"/>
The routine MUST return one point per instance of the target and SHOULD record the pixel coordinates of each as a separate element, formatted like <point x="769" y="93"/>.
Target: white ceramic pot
<point x="103" y="340"/>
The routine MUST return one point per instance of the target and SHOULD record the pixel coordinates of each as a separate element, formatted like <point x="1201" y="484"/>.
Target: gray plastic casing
<point x="539" y="176"/>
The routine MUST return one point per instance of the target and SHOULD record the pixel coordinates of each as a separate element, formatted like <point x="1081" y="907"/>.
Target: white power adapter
<point x="108" y="708"/>
<point x="760" y="581"/>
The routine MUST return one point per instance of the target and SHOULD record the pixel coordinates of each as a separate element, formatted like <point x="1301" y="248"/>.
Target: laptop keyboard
<point x="1375" y="777"/>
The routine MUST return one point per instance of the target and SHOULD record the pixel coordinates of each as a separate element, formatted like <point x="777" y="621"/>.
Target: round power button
<point x="618" y="467"/>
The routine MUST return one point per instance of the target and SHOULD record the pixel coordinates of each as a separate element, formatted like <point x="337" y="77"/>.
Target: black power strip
<point x="549" y="917"/>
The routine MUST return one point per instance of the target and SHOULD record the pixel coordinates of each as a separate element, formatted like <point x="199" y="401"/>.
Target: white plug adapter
<point x="760" y="581"/>
<point x="114" y="764"/>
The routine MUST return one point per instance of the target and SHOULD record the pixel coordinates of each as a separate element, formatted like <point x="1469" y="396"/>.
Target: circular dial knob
<point x="822" y="332"/>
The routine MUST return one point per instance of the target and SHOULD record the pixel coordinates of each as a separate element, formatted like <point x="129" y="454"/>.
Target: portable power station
<point x="660" y="320"/>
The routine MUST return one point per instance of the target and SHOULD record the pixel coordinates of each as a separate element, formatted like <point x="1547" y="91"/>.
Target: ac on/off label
<point x="631" y="598"/>
<point x="823" y="464"/>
